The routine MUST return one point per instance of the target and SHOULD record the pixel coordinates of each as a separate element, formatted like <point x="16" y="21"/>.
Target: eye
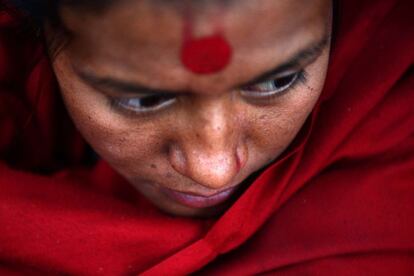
<point x="274" y="86"/>
<point x="143" y="104"/>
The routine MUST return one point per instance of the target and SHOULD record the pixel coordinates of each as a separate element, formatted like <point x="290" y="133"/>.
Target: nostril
<point x="241" y="156"/>
<point x="238" y="163"/>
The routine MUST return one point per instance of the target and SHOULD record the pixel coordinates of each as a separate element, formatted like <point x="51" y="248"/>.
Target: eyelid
<point x="299" y="77"/>
<point x="274" y="77"/>
<point x="135" y="95"/>
<point x="282" y="75"/>
<point x="116" y="103"/>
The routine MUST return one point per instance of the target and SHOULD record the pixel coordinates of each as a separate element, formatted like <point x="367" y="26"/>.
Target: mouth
<point x="199" y="201"/>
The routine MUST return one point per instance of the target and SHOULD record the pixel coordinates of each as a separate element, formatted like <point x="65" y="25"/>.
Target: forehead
<point x="137" y="40"/>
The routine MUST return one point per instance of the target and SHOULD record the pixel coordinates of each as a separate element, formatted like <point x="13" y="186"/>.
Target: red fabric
<point x="340" y="200"/>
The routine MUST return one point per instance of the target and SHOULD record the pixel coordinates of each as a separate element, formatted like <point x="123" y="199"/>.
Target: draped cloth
<point x="339" y="200"/>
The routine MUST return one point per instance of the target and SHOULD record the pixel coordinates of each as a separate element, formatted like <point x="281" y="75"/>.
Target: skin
<point x="213" y="136"/>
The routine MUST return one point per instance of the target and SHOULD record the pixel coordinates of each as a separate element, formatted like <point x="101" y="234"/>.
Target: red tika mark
<point x="205" y="55"/>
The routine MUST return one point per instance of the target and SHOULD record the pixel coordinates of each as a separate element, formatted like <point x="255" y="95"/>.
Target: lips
<point x="199" y="201"/>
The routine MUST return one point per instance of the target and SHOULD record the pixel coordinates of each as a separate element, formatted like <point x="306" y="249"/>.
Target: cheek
<point x="119" y="142"/>
<point x="275" y="127"/>
<point x="275" y="130"/>
<point x="272" y="133"/>
<point x="125" y="143"/>
<point x="128" y="146"/>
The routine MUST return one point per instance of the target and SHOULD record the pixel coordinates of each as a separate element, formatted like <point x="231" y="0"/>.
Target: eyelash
<point x="124" y="104"/>
<point x="291" y="79"/>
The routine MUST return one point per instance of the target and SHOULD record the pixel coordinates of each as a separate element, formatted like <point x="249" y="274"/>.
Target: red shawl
<point x="340" y="200"/>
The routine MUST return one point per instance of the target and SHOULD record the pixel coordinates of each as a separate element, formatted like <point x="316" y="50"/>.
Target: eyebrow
<point x="302" y="57"/>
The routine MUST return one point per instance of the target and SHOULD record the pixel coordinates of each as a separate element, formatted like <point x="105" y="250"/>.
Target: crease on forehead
<point x="152" y="11"/>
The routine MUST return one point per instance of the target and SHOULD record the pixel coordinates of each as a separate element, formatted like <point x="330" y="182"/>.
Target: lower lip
<point x="194" y="201"/>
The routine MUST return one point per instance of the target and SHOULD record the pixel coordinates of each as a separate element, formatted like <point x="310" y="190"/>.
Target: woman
<point x="238" y="157"/>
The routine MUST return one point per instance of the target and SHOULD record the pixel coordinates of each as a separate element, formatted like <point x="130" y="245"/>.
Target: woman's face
<point x="187" y="141"/>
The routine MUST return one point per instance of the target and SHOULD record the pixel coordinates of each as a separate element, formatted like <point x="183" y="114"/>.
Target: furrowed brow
<point x="118" y="85"/>
<point x="304" y="56"/>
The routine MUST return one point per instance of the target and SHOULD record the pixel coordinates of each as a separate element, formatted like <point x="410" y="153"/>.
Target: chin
<point x="176" y="209"/>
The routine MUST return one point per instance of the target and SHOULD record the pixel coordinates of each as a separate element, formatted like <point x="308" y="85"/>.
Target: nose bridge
<point x="214" y="126"/>
<point x="213" y="150"/>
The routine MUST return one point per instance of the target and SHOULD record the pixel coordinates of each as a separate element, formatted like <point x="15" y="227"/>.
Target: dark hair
<point x="35" y="13"/>
<point x="40" y="10"/>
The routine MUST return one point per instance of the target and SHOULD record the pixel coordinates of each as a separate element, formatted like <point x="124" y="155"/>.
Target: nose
<point x="212" y="151"/>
